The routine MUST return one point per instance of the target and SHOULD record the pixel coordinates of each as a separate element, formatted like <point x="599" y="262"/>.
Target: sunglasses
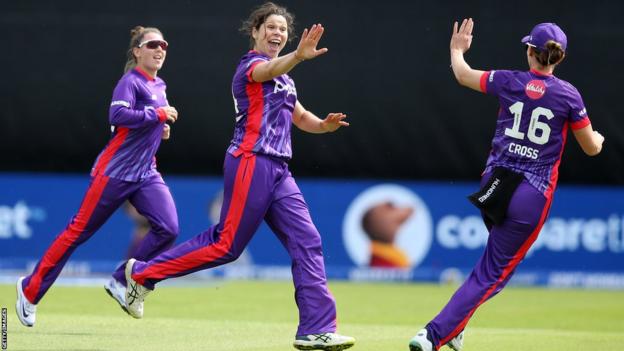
<point x="154" y="44"/>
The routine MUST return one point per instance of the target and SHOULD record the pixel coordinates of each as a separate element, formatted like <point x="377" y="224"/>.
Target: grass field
<point x="262" y="316"/>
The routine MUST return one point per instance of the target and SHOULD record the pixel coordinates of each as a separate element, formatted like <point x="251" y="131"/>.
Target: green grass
<point x="262" y="316"/>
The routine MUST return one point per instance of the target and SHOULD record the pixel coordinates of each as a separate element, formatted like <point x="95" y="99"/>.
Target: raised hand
<point x="306" y="49"/>
<point x="462" y="37"/>
<point x="333" y="121"/>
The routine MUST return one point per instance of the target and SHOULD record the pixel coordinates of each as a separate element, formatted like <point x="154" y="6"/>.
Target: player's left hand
<point x="333" y="121"/>
<point x="166" y="132"/>
<point x="306" y="49"/>
<point x="462" y="37"/>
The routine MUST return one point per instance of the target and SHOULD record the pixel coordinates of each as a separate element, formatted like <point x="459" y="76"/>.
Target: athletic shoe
<point x="26" y="311"/>
<point x="117" y="291"/>
<point x="324" y="341"/>
<point x="457" y="343"/>
<point x="135" y="293"/>
<point x="420" y="342"/>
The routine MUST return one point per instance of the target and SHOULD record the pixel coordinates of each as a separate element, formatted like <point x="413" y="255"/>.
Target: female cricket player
<point x="258" y="184"/>
<point x="124" y="170"/>
<point x="536" y="110"/>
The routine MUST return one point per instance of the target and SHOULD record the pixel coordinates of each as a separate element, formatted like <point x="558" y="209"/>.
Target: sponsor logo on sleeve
<point x="491" y="79"/>
<point x="120" y="103"/>
<point x="583" y="112"/>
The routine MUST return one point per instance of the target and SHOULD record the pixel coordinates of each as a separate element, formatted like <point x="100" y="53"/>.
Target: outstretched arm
<point x="589" y="139"/>
<point x="306" y="50"/>
<point x="460" y="43"/>
<point x="307" y="121"/>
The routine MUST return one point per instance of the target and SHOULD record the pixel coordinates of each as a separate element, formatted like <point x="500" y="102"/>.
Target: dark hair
<point x="259" y="15"/>
<point x="136" y="36"/>
<point x="551" y="56"/>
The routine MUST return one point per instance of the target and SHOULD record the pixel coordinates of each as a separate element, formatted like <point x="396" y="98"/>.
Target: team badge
<point x="535" y="89"/>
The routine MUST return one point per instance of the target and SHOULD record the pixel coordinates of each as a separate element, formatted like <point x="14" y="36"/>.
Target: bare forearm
<point x="275" y="68"/>
<point x="464" y="74"/>
<point x="309" y="122"/>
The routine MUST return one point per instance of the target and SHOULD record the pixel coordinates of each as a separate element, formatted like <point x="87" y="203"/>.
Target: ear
<point x="136" y="52"/>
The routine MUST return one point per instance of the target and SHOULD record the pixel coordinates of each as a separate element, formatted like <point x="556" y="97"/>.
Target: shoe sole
<point x="18" y="306"/>
<point x="122" y="305"/>
<point x="324" y="347"/>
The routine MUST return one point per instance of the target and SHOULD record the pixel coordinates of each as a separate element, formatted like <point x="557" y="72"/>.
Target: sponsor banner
<point x="397" y="231"/>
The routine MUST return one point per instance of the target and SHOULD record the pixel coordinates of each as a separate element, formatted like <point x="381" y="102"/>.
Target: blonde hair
<point x="136" y="36"/>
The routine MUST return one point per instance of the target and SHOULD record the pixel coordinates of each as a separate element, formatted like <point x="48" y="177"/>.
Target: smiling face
<point x="150" y="60"/>
<point x="272" y="36"/>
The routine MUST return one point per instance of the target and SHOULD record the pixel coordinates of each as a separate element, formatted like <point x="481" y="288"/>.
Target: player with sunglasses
<point x="520" y="177"/>
<point x="124" y="170"/>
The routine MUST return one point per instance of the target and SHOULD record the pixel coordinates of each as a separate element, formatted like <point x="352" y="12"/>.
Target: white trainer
<point x="117" y="291"/>
<point x="26" y="311"/>
<point x="324" y="341"/>
<point x="457" y="343"/>
<point x="420" y="342"/>
<point x="135" y="293"/>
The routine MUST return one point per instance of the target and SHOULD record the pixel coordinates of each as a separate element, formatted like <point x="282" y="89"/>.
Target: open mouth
<point x="158" y="57"/>
<point x="274" y="44"/>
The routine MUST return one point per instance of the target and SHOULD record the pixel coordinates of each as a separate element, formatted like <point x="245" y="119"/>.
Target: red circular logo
<point x="535" y="89"/>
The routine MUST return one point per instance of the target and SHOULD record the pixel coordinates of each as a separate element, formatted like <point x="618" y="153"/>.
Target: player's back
<point x="535" y="111"/>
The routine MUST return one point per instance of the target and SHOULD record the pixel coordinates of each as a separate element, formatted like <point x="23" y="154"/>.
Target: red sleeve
<point x="580" y="124"/>
<point x="251" y="68"/>
<point x="483" y="84"/>
<point x="162" y="115"/>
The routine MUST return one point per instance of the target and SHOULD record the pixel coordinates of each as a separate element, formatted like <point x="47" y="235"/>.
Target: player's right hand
<point x="598" y="139"/>
<point x="462" y="37"/>
<point x="171" y="112"/>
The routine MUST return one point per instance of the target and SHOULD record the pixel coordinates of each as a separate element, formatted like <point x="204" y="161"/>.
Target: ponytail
<point x="136" y="36"/>
<point x="551" y="56"/>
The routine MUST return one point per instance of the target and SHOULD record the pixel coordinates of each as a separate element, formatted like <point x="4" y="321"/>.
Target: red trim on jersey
<point x="250" y="70"/>
<point x="506" y="272"/>
<point x="543" y="74"/>
<point x="66" y="239"/>
<point x="580" y="124"/>
<point x="214" y="251"/>
<point x="145" y="74"/>
<point x="483" y="81"/>
<point x="110" y="151"/>
<point x="554" y="172"/>
<point x="162" y="115"/>
<point x="254" y="117"/>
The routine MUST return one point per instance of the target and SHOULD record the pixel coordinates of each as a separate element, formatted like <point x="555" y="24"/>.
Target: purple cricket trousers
<point x="151" y="198"/>
<point x="506" y="247"/>
<point x="257" y="187"/>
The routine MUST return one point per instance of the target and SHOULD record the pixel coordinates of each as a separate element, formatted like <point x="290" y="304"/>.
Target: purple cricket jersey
<point x="137" y="124"/>
<point x="535" y="111"/>
<point x="263" y="111"/>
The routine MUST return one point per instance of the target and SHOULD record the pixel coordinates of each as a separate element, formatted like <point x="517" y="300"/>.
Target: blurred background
<point x="415" y="148"/>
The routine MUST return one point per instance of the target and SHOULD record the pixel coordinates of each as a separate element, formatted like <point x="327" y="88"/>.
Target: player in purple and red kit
<point x="536" y="110"/>
<point x="258" y="185"/>
<point x="124" y="170"/>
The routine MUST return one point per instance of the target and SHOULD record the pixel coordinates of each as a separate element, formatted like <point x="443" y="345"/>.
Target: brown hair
<point x="136" y="36"/>
<point x="259" y="15"/>
<point x="551" y="56"/>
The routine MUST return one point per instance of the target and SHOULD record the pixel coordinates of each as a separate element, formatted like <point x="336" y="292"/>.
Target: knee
<point x="168" y="228"/>
<point x="231" y="254"/>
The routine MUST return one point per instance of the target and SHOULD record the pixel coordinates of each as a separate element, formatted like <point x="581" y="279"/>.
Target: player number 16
<point x="534" y="125"/>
